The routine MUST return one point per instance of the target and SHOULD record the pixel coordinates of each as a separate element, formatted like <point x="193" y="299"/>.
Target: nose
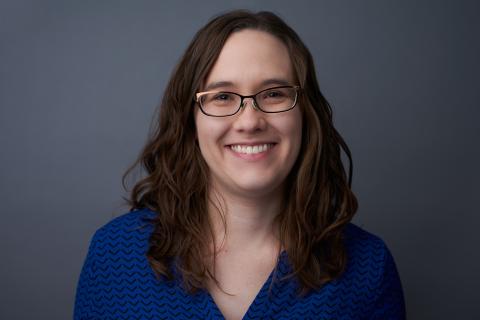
<point x="250" y="118"/>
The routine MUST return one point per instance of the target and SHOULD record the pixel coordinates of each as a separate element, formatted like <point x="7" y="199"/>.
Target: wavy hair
<point x="319" y="201"/>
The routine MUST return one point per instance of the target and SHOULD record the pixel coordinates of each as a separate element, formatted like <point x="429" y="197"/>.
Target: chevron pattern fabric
<point x="117" y="282"/>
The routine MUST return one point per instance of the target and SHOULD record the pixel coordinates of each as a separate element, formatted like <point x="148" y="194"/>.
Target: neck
<point x="249" y="222"/>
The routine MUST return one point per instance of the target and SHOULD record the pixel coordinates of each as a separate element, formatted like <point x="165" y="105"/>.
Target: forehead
<point x="250" y="58"/>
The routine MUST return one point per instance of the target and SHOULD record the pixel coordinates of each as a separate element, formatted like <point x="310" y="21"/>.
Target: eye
<point x="273" y="94"/>
<point x="222" y="96"/>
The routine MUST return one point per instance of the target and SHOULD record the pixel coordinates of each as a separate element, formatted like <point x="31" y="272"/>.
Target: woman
<point x="245" y="208"/>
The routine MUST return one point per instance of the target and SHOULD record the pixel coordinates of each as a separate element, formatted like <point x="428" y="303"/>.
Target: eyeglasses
<point x="224" y="103"/>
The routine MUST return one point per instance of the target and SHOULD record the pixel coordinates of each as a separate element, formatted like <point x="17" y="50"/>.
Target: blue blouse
<point x="117" y="282"/>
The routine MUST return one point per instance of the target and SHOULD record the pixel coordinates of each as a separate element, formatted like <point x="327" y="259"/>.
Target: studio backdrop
<point x="80" y="82"/>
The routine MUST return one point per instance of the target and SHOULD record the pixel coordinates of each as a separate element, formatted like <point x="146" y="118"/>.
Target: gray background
<point x="79" y="83"/>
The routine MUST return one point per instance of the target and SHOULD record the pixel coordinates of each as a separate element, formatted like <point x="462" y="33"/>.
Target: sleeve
<point x="87" y="287"/>
<point x="389" y="303"/>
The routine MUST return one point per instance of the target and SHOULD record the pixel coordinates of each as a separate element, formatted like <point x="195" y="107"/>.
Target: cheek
<point x="209" y="133"/>
<point x="203" y="137"/>
<point x="201" y="132"/>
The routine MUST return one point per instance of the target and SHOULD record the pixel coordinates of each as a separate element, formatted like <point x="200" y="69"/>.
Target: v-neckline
<point x="260" y="298"/>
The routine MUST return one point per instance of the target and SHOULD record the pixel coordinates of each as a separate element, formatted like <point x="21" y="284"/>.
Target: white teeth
<point x="251" y="149"/>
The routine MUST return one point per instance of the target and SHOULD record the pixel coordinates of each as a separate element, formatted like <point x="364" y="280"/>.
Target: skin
<point x="251" y="186"/>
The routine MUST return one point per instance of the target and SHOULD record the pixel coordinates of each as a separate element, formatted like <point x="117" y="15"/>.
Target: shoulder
<point x="356" y="238"/>
<point x="118" y="249"/>
<point x="372" y="273"/>
<point x="368" y="257"/>
<point x="367" y="254"/>
<point x="129" y="221"/>
<point x="124" y="235"/>
<point x="134" y="223"/>
<point x="369" y="288"/>
<point x="371" y="266"/>
<point x="116" y="278"/>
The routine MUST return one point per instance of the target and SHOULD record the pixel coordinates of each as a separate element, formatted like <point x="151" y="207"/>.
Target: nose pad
<point x="254" y="104"/>
<point x="250" y="120"/>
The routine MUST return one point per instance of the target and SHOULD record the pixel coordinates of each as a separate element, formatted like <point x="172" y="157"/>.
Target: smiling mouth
<point x="255" y="149"/>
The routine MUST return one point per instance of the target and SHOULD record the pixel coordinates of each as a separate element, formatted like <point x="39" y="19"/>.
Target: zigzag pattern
<point x="117" y="282"/>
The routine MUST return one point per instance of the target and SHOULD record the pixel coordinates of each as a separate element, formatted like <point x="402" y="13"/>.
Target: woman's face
<point x="234" y="146"/>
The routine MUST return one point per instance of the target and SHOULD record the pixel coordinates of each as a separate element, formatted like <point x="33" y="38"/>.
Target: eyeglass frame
<point x="198" y="95"/>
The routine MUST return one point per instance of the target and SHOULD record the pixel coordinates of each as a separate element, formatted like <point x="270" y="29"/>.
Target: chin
<point x="256" y="188"/>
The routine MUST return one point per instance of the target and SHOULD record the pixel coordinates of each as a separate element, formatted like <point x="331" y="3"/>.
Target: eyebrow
<point x="272" y="81"/>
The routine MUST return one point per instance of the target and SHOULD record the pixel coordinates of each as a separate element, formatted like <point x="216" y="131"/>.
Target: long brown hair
<point x="318" y="202"/>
